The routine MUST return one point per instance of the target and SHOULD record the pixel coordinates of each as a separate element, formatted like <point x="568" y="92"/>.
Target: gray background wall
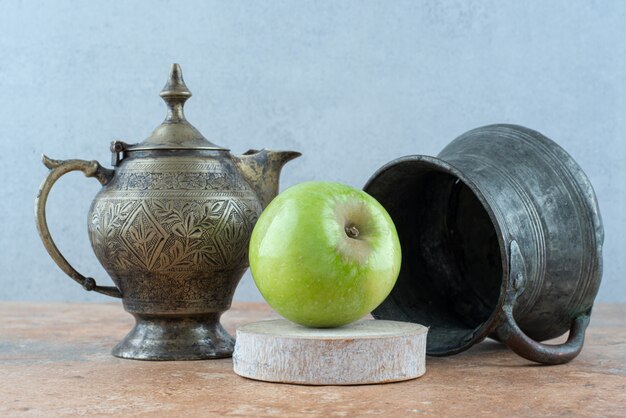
<point x="368" y="80"/>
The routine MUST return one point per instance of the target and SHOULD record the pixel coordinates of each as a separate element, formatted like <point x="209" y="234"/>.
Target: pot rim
<point x="490" y="324"/>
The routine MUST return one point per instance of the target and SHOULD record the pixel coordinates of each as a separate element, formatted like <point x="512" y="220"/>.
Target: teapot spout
<point x="261" y="169"/>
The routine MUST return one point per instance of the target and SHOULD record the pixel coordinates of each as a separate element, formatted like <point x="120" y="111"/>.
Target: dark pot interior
<point x="451" y="271"/>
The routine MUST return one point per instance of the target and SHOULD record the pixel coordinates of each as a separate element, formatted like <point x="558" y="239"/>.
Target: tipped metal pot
<point x="501" y="236"/>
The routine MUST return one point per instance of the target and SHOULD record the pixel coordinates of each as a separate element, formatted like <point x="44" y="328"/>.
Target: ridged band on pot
<point x="501" y="236"/>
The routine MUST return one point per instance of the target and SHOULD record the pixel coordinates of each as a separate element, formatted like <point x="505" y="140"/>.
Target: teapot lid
<point x="175" y="133"/>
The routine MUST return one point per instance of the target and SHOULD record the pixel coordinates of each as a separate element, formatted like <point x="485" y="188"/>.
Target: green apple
<point x="324" y="254"/>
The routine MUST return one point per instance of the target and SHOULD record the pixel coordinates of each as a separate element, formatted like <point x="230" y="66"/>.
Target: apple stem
<point x="352" y="231"/>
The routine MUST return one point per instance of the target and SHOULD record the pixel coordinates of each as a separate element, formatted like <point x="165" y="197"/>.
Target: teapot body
<point x="172" y="231"/>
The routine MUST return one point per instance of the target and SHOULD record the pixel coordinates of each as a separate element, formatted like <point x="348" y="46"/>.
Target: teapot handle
<point x="511" y="334"/>
<point x="57" y="169"/>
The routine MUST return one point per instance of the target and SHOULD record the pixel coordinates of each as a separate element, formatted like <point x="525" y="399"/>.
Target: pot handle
<point x="511" y="334"/>
<point x="57" y="169"/>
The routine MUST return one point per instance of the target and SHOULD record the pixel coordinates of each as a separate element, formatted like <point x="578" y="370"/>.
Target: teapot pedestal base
<point x="176" y="338"/>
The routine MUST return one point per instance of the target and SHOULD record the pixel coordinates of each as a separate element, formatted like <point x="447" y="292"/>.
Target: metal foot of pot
<point x="158" y="338"/>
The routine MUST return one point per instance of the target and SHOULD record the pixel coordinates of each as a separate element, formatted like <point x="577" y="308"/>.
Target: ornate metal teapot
<point x="171" y="226"/>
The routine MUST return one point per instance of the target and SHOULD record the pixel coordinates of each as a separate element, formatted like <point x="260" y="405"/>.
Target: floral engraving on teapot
<point x="174" y="230"/>
<point x="177" y="181"/>
<point x="173" y="237"/>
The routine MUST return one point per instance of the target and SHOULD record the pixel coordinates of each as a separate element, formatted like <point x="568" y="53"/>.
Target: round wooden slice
<point x="364" y="352"/>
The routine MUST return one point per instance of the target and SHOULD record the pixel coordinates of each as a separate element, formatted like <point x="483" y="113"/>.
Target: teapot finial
<point x="175" y="94"/>
<point x="175" y="132"/>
